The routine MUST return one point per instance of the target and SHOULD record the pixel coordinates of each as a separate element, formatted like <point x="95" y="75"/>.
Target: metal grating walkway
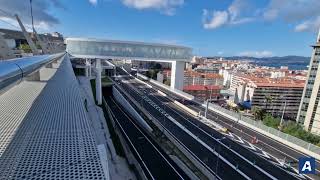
<point x="44" y="131"/>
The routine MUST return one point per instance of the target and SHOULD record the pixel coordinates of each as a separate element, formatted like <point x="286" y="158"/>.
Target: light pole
<point x="283" y="111"/>
<point x="210" y="98"/>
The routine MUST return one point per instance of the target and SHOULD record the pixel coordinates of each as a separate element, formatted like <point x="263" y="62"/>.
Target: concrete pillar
<point x="34" y="76"/>
<point x="90" y="68"/>
<point x="86" y="68"/>
<point x="98" y="82"/>
<point x="177" y="74"/>
<point x="50" y="65"/>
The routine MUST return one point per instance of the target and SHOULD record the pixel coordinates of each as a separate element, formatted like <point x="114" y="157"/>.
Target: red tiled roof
<point x="286" y="85"/>
<point x="201" y="87"/>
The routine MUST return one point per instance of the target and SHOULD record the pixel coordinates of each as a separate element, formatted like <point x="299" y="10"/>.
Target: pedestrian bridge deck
<point x="45" y="131"/>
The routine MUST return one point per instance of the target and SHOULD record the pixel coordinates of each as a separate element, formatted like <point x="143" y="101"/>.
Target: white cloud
<point x="308" y="25"/>
<point x="257" y="54"/>
<point x="93" y="2"/>
<point x="165" y="6"/>
<point x="235" y="14"/>
<point x="304" y="14"/>
<point x="219" y="18"/>
<point x="43" y="20"/>
<point x="10" y="23"/>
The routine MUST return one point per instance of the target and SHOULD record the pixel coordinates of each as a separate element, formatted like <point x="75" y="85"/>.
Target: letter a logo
<point x="307" y="165"/>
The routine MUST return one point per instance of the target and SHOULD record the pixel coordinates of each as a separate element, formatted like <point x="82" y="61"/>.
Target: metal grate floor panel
<point x="45" y="131"/>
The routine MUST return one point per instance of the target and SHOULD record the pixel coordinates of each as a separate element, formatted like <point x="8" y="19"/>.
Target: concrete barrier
<point x="142" y="76"/>
<point x="120" y="99"/>
<point x="182" y="148"/>
<point x="186" y="108"/>
<point x="211" y="123"/>
<point x="143" y="82"/>
<point x="272" y="136"/>
<point x="176" y="91"/>
<point x="162" y="93"/>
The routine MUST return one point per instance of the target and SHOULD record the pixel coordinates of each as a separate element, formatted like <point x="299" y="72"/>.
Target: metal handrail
<point x="14" y="70"/>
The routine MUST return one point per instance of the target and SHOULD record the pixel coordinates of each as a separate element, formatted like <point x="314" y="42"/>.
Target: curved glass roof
<point x="94" y="48"/>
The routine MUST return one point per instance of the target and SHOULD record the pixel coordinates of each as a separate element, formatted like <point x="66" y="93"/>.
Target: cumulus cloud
<point x="235" y="14"/>
<point x="258" y="54"/>
<point x="219" y="18"/>
<point x="304" y="14"/>
<point x="166" y="6"/>
<point x="308" y="25"/>
<point x="93" y="2"/>
<point x="42" y="18"/>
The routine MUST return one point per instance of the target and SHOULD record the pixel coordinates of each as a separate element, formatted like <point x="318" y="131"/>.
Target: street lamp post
<point x="283" y="111"/>
<point x="210" y="98"/>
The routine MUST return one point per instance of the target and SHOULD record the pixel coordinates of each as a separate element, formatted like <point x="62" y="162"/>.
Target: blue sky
<point x="211" y="27"/>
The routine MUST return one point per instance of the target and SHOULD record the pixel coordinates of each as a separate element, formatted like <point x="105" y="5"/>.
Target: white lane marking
<point x="208" y="147"/>
<point x="261" y="141"/>
<point x="239" y="155"/>
<point x="264" y="153"/>
<point x="149" y="141"/>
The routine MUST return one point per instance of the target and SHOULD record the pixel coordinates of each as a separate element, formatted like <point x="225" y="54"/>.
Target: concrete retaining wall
<point x="176" y="91"/>
<point x="129" y="156"/>
<point x="186" y="108"/>
<point x="120" y="99"/>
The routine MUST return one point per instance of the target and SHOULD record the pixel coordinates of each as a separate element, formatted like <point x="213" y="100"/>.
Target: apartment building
<point x="274" y="95"/>
<point x="204" y="92"/>
<point x="278" y="97"/>
<point x="195" y="78"/>
<point x="309" y="111"/>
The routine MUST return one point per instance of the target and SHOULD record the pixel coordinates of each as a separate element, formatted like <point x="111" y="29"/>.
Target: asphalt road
<point x="154" y="162"/>
<point x="273" y="147"/>
<point x="206" y="157"/>
<point x="243" y="160"/>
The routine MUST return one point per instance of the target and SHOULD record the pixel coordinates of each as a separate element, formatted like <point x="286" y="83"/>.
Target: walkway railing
<point x="14" y="70"/>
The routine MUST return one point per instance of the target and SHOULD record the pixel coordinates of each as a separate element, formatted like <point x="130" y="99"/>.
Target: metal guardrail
<point x="303" y="144"/>
<point x="14" y="70"/>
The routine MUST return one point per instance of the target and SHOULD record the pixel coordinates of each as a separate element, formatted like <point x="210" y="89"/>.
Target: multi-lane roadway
<point x="217" y="152"/>
<point x="276" y="149"/>
<point x="153" y="161"/>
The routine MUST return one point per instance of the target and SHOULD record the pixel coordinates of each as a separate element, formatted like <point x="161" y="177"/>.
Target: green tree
<point x="152" y="73"/>
<point x="167" y="82"/>
<point x="258" y="113"/>
<point x="270" y="121"/>
<point x="297" y="130"/>
<point x="268" y="99"/>
<point x="26" y="48"/>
